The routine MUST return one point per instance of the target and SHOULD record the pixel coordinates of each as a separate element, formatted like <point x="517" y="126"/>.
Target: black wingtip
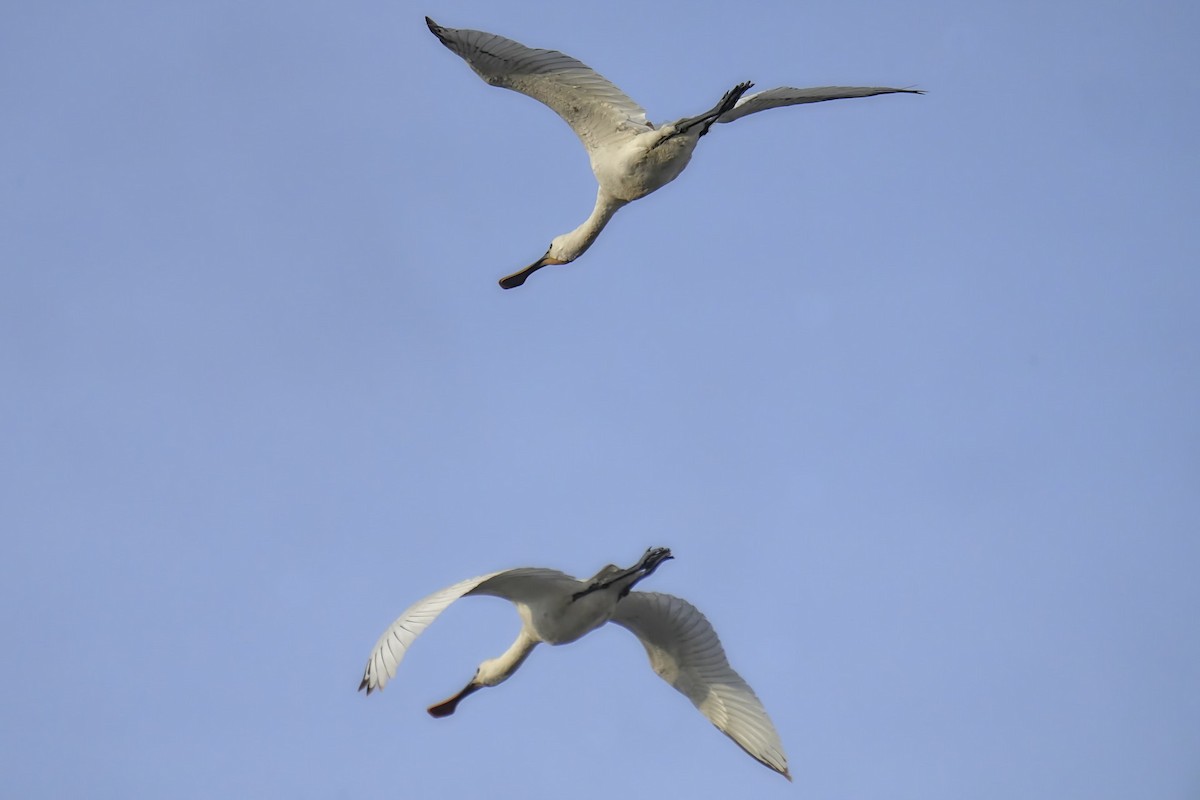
<point x="436" y="30"/>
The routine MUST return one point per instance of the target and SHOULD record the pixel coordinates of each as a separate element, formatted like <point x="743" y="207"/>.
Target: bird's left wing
<point x="788" y="96"/>
<point x="685" y="651"/>
<point x="517" y="585"/>
<point x="595" y="109"/>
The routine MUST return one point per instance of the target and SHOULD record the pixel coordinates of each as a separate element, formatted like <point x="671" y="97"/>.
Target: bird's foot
<point x="649" y="562"/>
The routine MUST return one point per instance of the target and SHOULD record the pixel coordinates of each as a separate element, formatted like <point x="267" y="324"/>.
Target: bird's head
<point x="491" y="673"/>
<point x="565" y="248"/>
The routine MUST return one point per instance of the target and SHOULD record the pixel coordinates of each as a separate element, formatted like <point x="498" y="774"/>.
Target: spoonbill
<point x="557" y="609"/>
<point x="630" y="156"/>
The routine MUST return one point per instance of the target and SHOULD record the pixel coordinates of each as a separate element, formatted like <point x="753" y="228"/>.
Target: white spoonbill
<point x="556" y="609"/>
<point x="630" y="156"/>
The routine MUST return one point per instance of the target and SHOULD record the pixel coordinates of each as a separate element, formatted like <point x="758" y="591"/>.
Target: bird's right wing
<point x="517" y="585"/>
<point x="789" y="96"/>
<point x="595" y="109"/>
<point x="685" y="651"/>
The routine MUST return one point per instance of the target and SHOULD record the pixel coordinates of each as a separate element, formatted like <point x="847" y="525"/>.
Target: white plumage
<point x="556" y="609"/>
<point x="630" y="156"/>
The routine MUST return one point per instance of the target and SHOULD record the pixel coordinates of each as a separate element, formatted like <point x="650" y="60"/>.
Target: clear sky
<point x="910" y="385"/>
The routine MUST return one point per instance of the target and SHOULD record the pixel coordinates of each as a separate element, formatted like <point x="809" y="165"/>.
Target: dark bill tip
<point x="448" y="707"/>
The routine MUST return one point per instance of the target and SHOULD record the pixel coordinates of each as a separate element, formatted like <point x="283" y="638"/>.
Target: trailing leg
<point x="709" y="117"/>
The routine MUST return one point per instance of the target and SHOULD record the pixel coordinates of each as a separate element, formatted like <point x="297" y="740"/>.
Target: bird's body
<point x="630" y="156"/>
<point x="643" y="164"/>
<point x="556" y="608"/>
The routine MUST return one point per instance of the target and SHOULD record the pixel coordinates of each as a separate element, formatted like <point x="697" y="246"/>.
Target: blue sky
<point x="908" y="384"/>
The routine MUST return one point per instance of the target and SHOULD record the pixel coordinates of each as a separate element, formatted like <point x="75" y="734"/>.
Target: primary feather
<point x="685" y="652"/>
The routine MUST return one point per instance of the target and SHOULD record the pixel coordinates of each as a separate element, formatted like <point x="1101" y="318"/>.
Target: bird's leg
<point x="712" y="115"/>
<point x="650" y="561"/>
<point x="592" y="587"/>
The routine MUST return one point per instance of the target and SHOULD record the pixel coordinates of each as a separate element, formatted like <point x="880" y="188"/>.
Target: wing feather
<point x="789" y="96"/>
<point x="685" y="651"/>
<point x="596" y="110"/>
<point x="518" y="585"/>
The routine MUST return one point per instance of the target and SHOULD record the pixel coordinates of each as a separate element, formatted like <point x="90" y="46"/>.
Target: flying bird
<point x="630" y="156"/>
<point x="556" y="608"/>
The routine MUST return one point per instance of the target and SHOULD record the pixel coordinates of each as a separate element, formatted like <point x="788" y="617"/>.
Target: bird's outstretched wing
<point x="596" y="110"/>
<point x="518" y="585"/>
<point x="685" y="651"/>
<point x="788" y="96"/>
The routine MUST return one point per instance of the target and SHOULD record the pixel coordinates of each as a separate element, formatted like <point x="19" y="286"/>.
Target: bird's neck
<point x="512" y="658"/>
<point x="580" y="239"/>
